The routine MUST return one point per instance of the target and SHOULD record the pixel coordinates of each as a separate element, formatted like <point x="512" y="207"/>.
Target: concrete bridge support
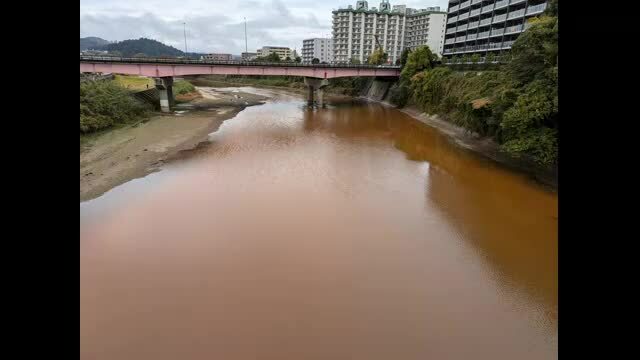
<point x="315" y="86"/>
<point x="165" y="90"/>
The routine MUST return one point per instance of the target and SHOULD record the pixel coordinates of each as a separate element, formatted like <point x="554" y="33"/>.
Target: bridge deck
<point x="161" y="67"/>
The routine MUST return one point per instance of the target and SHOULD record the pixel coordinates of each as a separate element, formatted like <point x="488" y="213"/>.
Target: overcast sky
<point x="218" y="25"/>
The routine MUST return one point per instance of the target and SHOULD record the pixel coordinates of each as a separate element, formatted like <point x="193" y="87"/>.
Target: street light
<point x="185" y="38"/>
<point x="246" y="49"/>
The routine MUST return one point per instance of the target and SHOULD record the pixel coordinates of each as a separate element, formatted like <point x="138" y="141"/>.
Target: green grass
<point x="132" y="82"/>
<point x="104" y="104"/>
<point x="182" y="87"/>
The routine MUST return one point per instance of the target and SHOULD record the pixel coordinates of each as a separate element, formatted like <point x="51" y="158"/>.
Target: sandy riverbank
<point x="123" y="154"/>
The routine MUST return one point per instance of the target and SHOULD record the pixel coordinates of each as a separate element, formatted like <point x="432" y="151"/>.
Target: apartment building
<point x="318" y="48"/>
<point x="283" y="52"/>
<point x="217" y="57"/>
<point x="358" y="31"/>
<point x="487" y="26"/>
<point x="426" y="27"/>
<point x="248" y="56"/>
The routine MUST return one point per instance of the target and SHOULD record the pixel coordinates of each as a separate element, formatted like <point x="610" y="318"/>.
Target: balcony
<point x="483" y="35"/>
<point x="460" y="39"/>
<point x="513" y="29"/>
<point x="496" y="32"/>
<point x="516" y="14"/>
<point x="494" y="46"/>
<point x="449" y="41"/>
<point x="475" y="12"/>
<point x="465" y="4"/>
<point x="513" y="2"/>
<point x="536" y="9"/>
<point x="475" y="2"/>
<point x="486" y="9"/>
<point x="501" y="4"/>
<point x="507" y="44"/>
<point x="473" y="25"/>
<point x="454" y="9"/>
<point x="472" y="36"/>
<point x="485" y="22"/>
<point x="499" y="18"/>
<point x="462" y="27"/>
<point x="452" y="20"/>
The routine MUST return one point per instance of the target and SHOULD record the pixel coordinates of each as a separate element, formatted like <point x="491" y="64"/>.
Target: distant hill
<point x="142" y="46"/>
<point x="92" y="43"/>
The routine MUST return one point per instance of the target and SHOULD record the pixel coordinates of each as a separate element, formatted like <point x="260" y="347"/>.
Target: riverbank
<point x="125" y="153"/>
<point x="484" y="146"/>
<point x="336" y="86"/>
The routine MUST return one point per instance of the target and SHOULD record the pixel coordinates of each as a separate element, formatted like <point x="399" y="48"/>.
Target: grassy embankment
<point x="105" y="105"/>
<point x="515" y="104"/>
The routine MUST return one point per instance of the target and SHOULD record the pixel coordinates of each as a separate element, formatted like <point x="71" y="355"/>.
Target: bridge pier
<point x="315" y="85"/>
<point x="165" y="90"/>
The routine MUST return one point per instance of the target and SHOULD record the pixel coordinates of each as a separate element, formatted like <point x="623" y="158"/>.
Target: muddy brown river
<point x="352" y="232"/>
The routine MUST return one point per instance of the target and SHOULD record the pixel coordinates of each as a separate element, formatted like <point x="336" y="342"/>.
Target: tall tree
<point x="418" y="60"/>
<point x="378" y="57"/>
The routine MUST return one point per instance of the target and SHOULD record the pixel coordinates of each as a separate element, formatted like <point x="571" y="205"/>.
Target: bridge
<point x="316" y="76"/>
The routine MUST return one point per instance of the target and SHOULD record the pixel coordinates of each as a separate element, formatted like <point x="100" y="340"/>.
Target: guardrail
<point x="174" y="61"/>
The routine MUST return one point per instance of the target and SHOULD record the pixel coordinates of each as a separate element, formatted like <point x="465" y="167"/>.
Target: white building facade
<point x="318" y="48"/>
<point x="358" y="32"/>
<point x="283" y="52"/>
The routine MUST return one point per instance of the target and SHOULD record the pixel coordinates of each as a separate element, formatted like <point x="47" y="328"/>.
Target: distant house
<point x="248" y="55"/>
<point x="217" y="57"/>
<point x="283" y="52"/>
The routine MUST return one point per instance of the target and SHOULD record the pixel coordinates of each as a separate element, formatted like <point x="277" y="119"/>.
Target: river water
<point x="352" y="232"/>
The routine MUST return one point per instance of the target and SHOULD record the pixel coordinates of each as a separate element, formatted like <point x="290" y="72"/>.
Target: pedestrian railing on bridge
<point x="176" y="61"/>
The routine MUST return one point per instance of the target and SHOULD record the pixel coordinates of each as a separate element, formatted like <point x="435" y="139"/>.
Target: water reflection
<point x="346" y="232"/>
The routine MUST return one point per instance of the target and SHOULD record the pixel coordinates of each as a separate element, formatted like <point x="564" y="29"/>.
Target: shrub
<point x="104" y="104"/>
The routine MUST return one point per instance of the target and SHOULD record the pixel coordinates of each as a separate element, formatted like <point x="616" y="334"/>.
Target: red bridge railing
<point x="174" y="61"/>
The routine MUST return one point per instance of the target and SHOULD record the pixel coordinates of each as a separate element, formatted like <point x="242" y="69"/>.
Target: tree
<point x="315" y="61"/>
<point x="404" y="56"/>
<point x="418" y="60"/>
<point x="288" y="59"/>
<point x="354" y="61"/>
<point x="273" y="57"/>
<point x="475" y="59"/>
<point x="535" y="50"/>
<point x="490" y="58"/>
<point x="552" y="8"/>
<point x="298" y="59"/>
<point x="378" y="57"/>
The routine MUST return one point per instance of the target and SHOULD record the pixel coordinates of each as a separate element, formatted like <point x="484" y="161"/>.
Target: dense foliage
<point x="104" y="104"/>
<point x="516" y="104"/>
<point x="378" y="57"/>
<point x="183" y="87"/>
<point x="144" y="46"/>
<point x="273" y="57"/>
<point x="92" y="43"/>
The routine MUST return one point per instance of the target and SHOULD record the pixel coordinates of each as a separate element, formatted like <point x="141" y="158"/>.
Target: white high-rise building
<point x="319" y="48"/>
<point x="358" y="32"/>
<point x="426" y="27"/>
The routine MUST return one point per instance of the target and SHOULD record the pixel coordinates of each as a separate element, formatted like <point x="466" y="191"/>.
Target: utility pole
<point x="246" y="49"/>
<point x="185" y="38"/>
